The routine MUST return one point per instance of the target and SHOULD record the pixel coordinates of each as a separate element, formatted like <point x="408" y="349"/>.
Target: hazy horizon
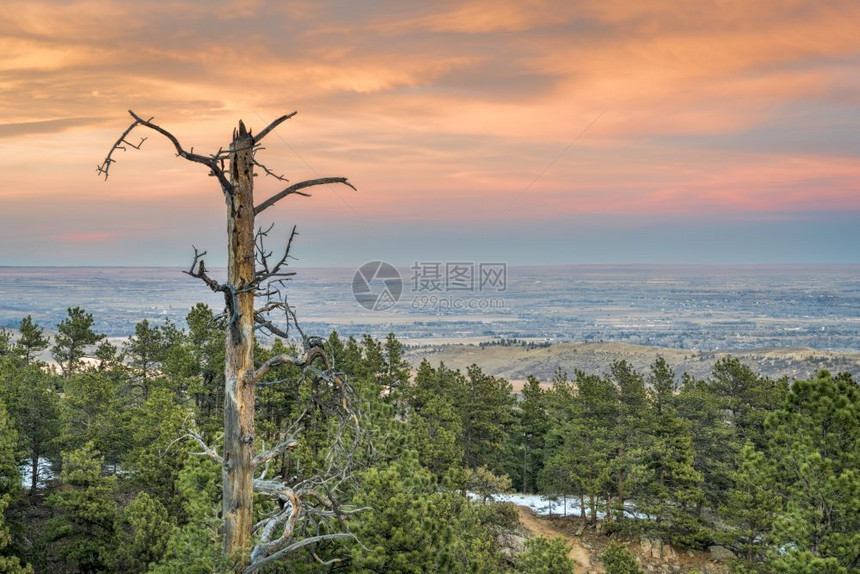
<point x="404" y="265"/>
<point x="703" y="307"/>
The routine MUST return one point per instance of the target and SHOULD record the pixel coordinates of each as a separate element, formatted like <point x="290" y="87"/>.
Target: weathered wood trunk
<point x="240" y="374"/>
<point x="237" y="470"/>
<point x="34" y="469"/>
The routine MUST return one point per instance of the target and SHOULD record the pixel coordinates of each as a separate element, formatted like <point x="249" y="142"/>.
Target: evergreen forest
<point x="108" y="458"/>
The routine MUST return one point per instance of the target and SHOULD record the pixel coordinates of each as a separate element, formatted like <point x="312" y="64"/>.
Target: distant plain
<point x="789" y="320"/>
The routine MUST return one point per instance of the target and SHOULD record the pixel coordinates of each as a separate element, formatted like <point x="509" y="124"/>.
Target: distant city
<point x="705" y="308"/>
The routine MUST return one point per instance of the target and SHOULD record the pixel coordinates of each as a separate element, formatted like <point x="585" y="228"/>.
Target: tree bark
<point x="621" y="481"/>
<point x="34" y="470"/>
<point x="237" y="470"/>
<point x="243" y="282"/>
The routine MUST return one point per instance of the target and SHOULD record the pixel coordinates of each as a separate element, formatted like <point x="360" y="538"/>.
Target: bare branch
<point x="295" y="546"/>
<point x="270" y="173"/>
<point x="263" y="323"/>
<point x="288" y="517"/>
<point x="198" y="271"/>
<point x="212" y="162"/>
<point x="263" y="257"/>
<point x="268" y="307"/>
<point x="259" y="137"/>
<point x="283" y="359"/>
<point x="291" y="313"/>
<point x="120" y="144"/>
<point x="295" y="190"/>
<point x="207" y="450"/>
<point x="209" y="162"/>
<point x="326" y="562"/>
<point x="276" y="450"/>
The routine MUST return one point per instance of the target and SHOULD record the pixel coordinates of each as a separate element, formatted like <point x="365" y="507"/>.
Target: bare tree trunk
<point x="609" y="508"/>
<point x="593" y="500"/>
<point x="276" y="536"/>
<point x="237" y="470"/>
<point x="34" y="471"/>
<point x="621" y="481"/>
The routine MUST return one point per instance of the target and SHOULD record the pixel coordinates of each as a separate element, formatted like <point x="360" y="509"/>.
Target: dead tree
<point x="252" y="273"/>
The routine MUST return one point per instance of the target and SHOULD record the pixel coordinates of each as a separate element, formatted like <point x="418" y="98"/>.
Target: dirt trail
<point x="540" y="527"/>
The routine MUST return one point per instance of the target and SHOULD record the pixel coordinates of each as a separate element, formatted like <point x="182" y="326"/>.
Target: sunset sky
<point x="603" y="131"/>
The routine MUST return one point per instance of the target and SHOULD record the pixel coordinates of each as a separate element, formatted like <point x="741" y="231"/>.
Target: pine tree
<point x="399" y="531"/>
<point x="147" y="454"/>
<point x="713" y="436"/>
<point x="31" y="340"/>
<point x="335" y="347"/>
<point x="177" y="364"/>
<point x="396" y="370"/>
<point x="83" y="531"/>
<point x="545" y="556"/>
<point x="75" y="334"/>
<point x="555" y="475"/>
<point x="372" y="365"/>
<point x="194" y="544"/>
<point x="753" y="503"/>
<point x="815" y="447"/>
<point x="35" y="406"/>
<point x="435" y="421"/>
<point x="584" y="461"/>
<point x="486" y="406"/>
<point x="5" y="342"/>
<point x="95" y="410"/>
<point x="206" y="347"/>
<point x="533" y="426"/>
<point x="145" y="352"/>
<point x="674" y="491"/>
<point x="142" y="531"/>
<point x="351" y="362"/>
<point x="412" y="527"/>
<point x="436" y="432"/>
<point x="10" y="490"/>
<point x="633" y="428"/>
<point x="618" y="560"/>
<point x="747" y="397"/>
<point x="593" y="437"/>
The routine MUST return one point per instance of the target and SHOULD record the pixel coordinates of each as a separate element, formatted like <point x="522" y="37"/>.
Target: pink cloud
<point x="437" y="112"/>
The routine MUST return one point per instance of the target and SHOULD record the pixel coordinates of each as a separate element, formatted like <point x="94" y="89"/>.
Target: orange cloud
<point x="442" y="111"/>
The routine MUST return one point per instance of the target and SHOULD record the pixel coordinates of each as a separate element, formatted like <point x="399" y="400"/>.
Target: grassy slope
<point x="515" y="363"/>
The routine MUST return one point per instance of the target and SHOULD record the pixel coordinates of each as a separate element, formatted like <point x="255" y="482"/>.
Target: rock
<point x="579" y="530"/>
<point x="645" y="545"/>
<point x="510" y="544"/>
<point x="721" y="553"/>
<point x="668" y="553"/>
